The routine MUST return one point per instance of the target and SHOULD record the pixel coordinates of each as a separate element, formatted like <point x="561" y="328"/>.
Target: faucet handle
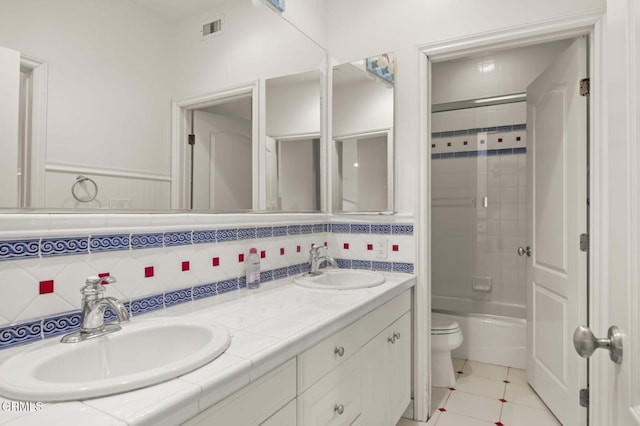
<point x="93" y="285"/>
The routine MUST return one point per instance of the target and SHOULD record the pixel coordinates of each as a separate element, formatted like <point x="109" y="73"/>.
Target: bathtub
<point x="492" y="332"/>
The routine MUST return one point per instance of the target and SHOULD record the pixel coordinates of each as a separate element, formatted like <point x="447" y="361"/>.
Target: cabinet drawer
<point x="254" y="403"/>
<point x="335" y="399"/>
<point x="325" y="356"/>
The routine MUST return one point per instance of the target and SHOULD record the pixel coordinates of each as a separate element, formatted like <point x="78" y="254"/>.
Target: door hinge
<point x="584" y="397"/>
<point x="584" y="242"/>
<point x="585" y="87"/>
<point x="191" y="139"/>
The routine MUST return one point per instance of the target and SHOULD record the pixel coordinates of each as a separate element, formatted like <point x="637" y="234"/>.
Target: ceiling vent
<point x="212" y="28"/>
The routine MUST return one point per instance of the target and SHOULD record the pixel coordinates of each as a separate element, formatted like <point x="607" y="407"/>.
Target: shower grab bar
<point x="458" y="201"/>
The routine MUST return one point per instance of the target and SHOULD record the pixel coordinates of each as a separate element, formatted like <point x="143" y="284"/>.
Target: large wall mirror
<point x="86" y="116"/>
<point x="362" y="176"/>
<point x="292" y="148"/>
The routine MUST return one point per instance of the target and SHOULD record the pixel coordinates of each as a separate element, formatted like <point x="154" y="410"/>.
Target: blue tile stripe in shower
<point x="481" y="153"/>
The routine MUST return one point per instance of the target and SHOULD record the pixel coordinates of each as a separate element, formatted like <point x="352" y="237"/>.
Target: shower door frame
<point x="561" y="28"/>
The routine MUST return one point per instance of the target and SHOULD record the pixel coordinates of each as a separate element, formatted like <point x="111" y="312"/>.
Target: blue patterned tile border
<point x="280" y="273"/>
<point x="178" y="296"/>
<point x="226" y="285"/>
<point x="318" y="228"/>
<point x="64" y="246"/>
<point x="481" y="153"/>
<point x="402" y="229"/>
<point x="246" y="233"/>
<point x="61" y="324"/>
<point x="203" y="237"/>
<point x="147" y="304"/>
<point x="360" y="229"/>
<point x="306" y="229"/>
<point x="19" y="249"/>
<point x="223" y="235"/>
<point x="381" y="229"/>
<point x="279" y="231"/>
<point x="264" y="232"/>
<point x="403" y="267"/>
<point x="360" y="264"/>
<point x="142" y="241"/>
<point x="172" y="239"/>
<point x="340" y="228"/>
<point x="381" y="266"/>
<point x="113" y="242"/>
<point x="242" y="282"/>
<point x="266" y="276"/>
<point x="20" y="334"/>
<point x="204" y="290"/>
<point x="294" y="270"/>
<point x="293" y="229"/>
<point x="344" y="263"/>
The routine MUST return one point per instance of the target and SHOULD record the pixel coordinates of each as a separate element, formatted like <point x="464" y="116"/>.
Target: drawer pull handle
<point x="339" y="408"/>
<point x="339" y="350"/>
<point x="396" y="335"/>
<point x="391" y="339"/>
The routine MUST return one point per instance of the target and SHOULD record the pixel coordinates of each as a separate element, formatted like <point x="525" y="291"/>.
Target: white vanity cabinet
<point x="360" y="375"/>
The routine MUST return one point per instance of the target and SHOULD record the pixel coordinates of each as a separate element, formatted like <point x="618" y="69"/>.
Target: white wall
<point x="109" y="82"/>
<point x="256" y="43"/>
<point x="361" y="107"/>
<point x="378" y="26"/>
<point x="207" y="124"/>
<point x="293" y="107"/>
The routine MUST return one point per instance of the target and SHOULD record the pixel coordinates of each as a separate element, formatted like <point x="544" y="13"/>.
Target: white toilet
<point x="445" y="337"/>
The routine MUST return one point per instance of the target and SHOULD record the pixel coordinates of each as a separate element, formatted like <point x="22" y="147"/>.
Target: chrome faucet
<point x="93" y="306"/>
<point x="316" y="260"/>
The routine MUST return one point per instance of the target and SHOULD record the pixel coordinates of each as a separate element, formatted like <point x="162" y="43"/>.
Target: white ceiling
<point x="177" y="10"/>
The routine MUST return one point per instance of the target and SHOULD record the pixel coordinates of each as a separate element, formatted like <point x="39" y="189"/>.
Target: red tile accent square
<point x="465" y="143"/>
<point x="433" y="145"/>
<point x="506" y="381"/>
<point x="46" y="287"/>
<point x="460" y="372"/>
<point x="452" y="388"/>
<point x="281" y="251"/>
<point x="149" y="272"/>
<point x="502" y="400"/>
<point x="518" y="138"/>
<point x="298" y="248"/>
<point x="186" y="266"/>
<point x="369" y="247"/>
<point x="241" y="257"/>
<point x="448" y="143"/>
<point x="346" y="246"/>
<point x="499" y="140"/>
<point x="395" y="247"/>
<point x="263" y="254"/>
<point x="498" y="424"/>
<point x="215" y="261"/>
<point x="442" y="410"/>
<point x="326" y="244"/>
<point x="102" y="275"/>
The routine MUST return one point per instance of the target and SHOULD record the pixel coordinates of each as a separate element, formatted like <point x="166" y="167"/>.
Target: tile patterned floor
<point x="488" y="395"/>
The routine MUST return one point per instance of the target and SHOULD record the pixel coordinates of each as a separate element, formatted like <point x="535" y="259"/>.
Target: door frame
<point x="180" y="124"/>
<point x="556" y="29"/>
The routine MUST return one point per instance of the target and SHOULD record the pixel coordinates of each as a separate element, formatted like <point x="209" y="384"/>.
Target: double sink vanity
<point x="328" y="349"/>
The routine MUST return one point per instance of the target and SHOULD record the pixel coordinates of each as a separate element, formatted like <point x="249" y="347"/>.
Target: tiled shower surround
<point x="40" y="278"/>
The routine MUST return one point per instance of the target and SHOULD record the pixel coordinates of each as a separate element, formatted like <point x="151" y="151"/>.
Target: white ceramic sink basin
<point x="143" y="353"/>
<point x="341" y="279"/>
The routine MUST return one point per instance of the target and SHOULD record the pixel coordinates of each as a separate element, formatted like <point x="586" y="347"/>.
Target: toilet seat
<point x="442" y="325"/>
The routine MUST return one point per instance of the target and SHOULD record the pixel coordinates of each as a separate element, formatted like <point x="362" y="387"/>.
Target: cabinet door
<point x="400" y="367"/>
<point x="375" y="384"/>
<point x="286" y="416"/>
<point x="386" y="376"/>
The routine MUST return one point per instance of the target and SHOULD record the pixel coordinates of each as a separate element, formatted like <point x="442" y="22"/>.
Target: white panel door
<point x="557" y="269"/>
<point x="9" y="100"/>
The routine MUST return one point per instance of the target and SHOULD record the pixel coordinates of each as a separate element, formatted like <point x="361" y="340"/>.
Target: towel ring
<point x="91" y="195"/>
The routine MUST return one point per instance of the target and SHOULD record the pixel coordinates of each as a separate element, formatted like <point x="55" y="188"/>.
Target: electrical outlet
<point x="380" y="248"/>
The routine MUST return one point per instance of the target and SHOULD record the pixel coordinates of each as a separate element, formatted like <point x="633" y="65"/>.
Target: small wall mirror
<point x="292" y="148"/>
<point x="362" y="176"/>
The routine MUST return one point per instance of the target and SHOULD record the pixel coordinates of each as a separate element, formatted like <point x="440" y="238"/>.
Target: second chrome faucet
<point x="316" y="260"/>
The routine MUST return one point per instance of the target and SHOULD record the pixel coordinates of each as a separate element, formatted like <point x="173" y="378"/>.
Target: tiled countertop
<point x="268" y="327"/>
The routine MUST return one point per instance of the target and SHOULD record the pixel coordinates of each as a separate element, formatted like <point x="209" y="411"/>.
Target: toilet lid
<point x="441" y="324"/>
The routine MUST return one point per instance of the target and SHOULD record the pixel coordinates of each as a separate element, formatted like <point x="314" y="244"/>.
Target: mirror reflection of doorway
<point x="221" y="163"/>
